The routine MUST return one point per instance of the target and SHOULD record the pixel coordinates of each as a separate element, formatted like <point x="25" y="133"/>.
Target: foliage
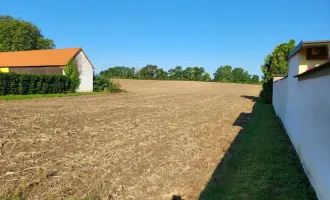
<point x="238" y="75"/>
<point x="119" y="72"/>
<point x="161" y="74"/>
<point x="259" y="165"/>
<point x="176" y="73"/>
<point x="206" y="77"/>
<point x="195" y="74"/>
<point x="103" y="84"/>
<point x="148" y="72"/>
<point x="100" y="83"/>
<point x="19" y="35"/>
<point x="275" y="63"/>
<point x="114" y="87"/>
<point x="13" y="83"/>
<point x="225" y="74"/>
<point x="71" y="70"/>
<point x="255" y="79"/>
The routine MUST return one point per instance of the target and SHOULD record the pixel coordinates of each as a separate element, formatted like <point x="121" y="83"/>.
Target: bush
<point x="71" y="71"/>
<point x="102" y="84"/>
<point x="13" y="83"/>
<point x="114" y="87"/>
<point x="267" y="91"/>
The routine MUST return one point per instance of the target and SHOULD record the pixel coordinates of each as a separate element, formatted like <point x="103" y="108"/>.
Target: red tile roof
<point x="50" y="57"/>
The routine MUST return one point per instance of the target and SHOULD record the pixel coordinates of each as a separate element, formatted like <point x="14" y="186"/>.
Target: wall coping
<point x="284" y="77"/>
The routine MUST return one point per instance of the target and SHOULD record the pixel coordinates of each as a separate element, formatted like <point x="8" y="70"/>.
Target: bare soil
<point x="160" y="139"/>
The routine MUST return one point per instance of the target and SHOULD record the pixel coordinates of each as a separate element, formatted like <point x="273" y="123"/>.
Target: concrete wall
<point x="86" y="72"/>
<point x="304" y="108"/>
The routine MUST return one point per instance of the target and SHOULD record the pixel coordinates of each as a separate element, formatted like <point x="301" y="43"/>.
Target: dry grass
<point x="161" y="138"/>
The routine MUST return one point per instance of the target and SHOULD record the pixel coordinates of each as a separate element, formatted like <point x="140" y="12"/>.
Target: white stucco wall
<point x="86" y="72"/>
<point x="313" y="117"/>
<point x="304" y="108"/>
<point x="280" y="89"/>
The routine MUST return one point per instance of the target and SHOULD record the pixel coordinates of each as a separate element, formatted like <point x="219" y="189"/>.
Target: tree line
<point x="223" y="74"/>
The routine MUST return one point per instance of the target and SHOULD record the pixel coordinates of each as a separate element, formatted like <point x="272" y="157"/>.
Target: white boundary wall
<point x="304" y="108"/>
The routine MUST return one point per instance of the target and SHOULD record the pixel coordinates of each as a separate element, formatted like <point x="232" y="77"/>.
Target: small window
<point x="317" y="53"/>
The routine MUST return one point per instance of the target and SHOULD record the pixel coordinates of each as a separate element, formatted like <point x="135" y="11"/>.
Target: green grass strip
<point x="33" y="96"/>
<point x="261" y="164"/>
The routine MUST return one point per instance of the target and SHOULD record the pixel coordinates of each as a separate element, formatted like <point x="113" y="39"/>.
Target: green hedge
<point x="13" y="83"/>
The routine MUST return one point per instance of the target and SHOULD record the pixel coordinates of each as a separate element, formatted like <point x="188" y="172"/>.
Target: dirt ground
<point x="161" y="138"/>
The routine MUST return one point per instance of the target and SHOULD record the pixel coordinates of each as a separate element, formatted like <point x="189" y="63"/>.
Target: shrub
<point x="71" y="70"/>
<point x="13" y="83"/>
<point x="114" y="87"/>
<point x="102" y="84"/>
<point x="267" y="91"/>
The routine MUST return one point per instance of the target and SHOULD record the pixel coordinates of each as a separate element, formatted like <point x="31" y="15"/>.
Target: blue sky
<point x="175" y="32"/>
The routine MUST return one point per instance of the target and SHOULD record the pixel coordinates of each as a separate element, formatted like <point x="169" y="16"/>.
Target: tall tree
<point x="176" y="73"/>
<point x="275" y="63"/>
<point x="198" y="73"/>
<point x="161" y="74"/>
<point x="206" y="77"/>
<point x="246" y="77"/>
<point x="148" y="72"/>
<point x="238" y="75"/>
<point x="188" y="74"/>
<point x="118" y="71"/>
<point x="255" y="79"/>
<point x="223" y="74"/>
<point x="19" y="35"/>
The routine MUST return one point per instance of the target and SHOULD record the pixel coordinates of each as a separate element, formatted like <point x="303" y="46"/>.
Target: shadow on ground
<point x="217" y="175"/>
<point x="253" y="98"/>
<point x="175" y="197"/>
<point x="261" y="162"/>
<point x="241" y="120"/>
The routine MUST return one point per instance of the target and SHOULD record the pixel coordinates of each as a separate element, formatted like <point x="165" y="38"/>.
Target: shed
<point x="49" y="61"/>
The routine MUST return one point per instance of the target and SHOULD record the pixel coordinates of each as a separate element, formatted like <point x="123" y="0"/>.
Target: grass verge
<point x="33" y="96"/>
<point x="261" y="164"/>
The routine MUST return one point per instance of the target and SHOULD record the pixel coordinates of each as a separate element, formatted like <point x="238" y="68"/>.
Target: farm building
<point x="49" y="61"/>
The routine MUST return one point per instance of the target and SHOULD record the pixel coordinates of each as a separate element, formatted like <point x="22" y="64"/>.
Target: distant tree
<point x="255" y="79"/>
<point x="176" y="73"/>
<point x="246" y="77"/>
<point x="119" y="72"/>
<point x="275" y="63"/>
<point x="161" y="74"/>
<point x="207" y="77"/>
<point x="237" y="74"/>
<point x="148" y="72"/>
<point x="19" y="35"/>
<point x="188" y="74"/>
<point x="199" y="73"/>
<point x="223" y="74"/>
